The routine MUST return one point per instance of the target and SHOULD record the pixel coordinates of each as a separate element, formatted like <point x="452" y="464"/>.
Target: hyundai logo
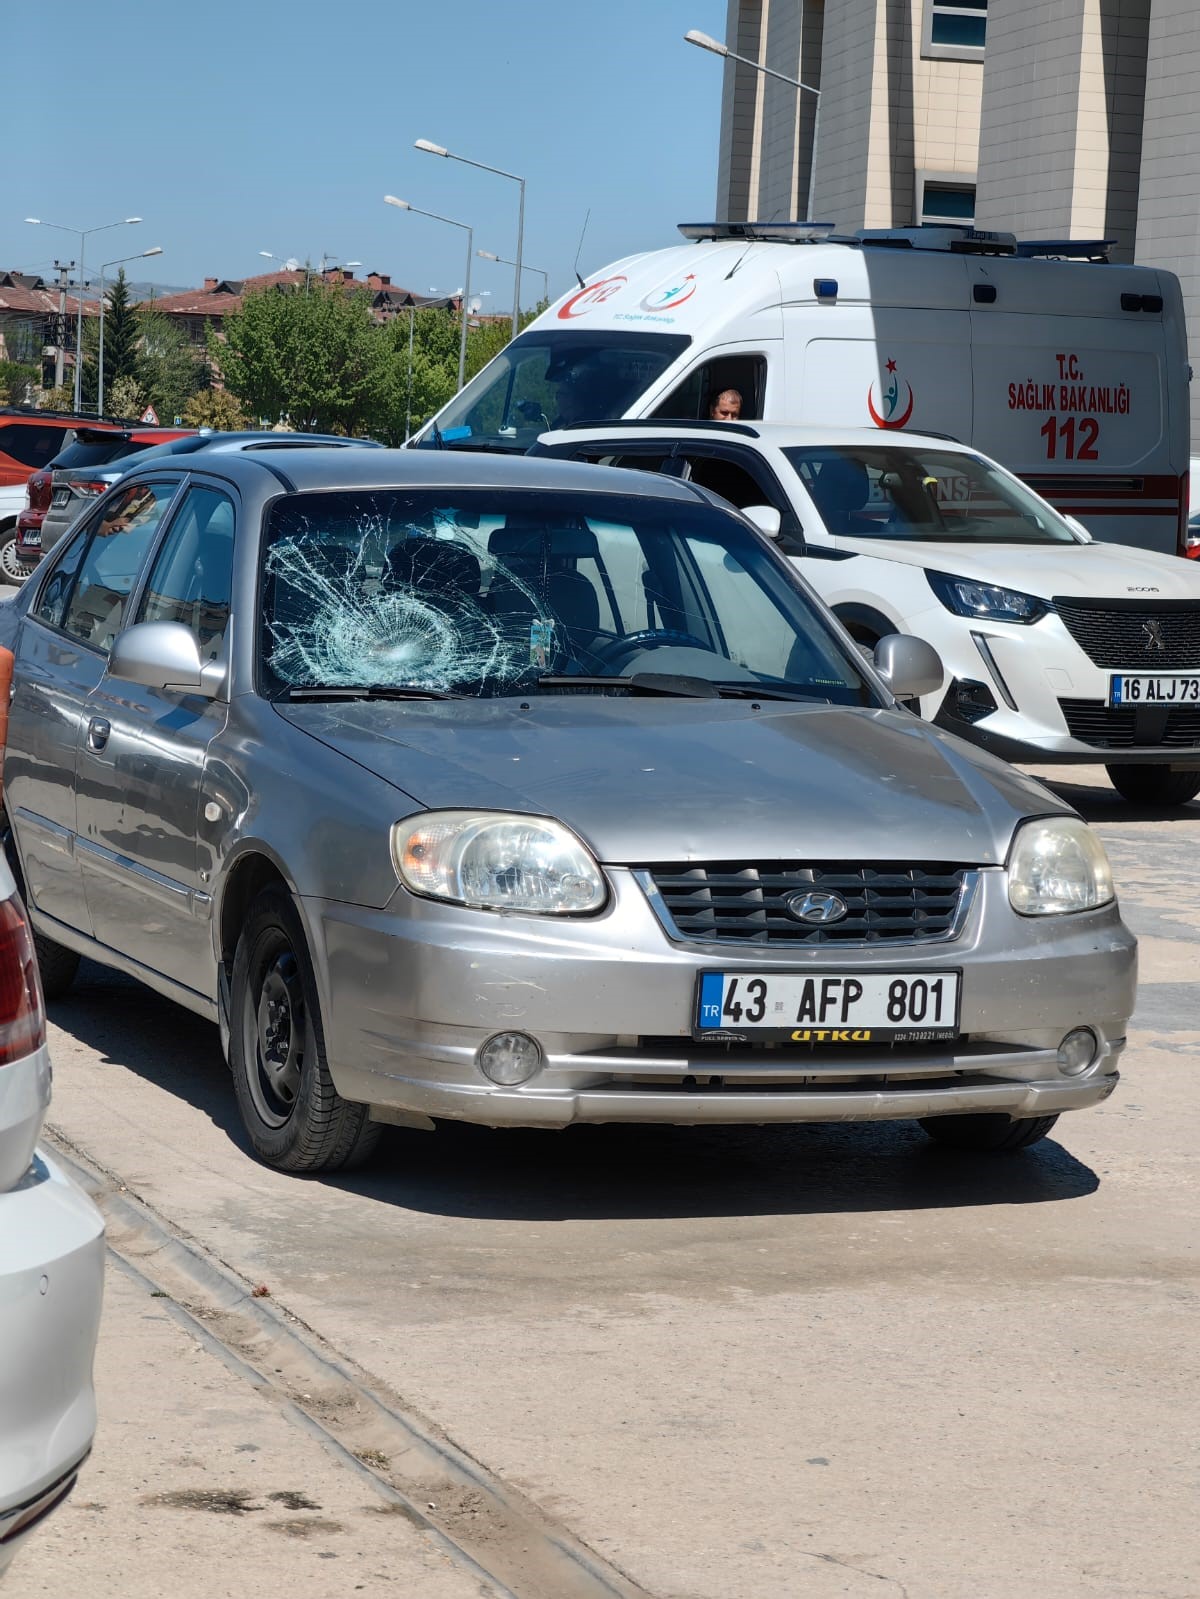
<point x="815" y="907"/>
<point x="1154" y="638"/>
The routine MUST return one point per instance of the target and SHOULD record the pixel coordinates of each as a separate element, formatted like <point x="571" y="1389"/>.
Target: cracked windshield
<point x="495" y="593"/>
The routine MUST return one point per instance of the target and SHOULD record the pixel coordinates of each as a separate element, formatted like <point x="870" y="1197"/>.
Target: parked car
<point x="1057" y="649"/>
<point x="29" y="440"/>
<point x="51" y="1264"/>
<point x="29" y="527"/>
<point x="518" y="792"/>
<point x="100" y="477"/>
<point x="78" y="470"/>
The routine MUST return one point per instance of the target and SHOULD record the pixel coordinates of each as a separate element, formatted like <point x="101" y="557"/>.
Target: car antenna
<point x="579" y="252"/>
<point x="774" y="215"/>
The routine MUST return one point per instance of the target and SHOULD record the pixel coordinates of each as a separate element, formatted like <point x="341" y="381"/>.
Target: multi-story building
<point x="1076" y="119"/>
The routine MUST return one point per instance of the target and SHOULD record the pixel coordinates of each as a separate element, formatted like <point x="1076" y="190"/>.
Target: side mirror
<point x="765" y="518"/>
<point x="909" y="666"/>
<point x="159" y="655"/>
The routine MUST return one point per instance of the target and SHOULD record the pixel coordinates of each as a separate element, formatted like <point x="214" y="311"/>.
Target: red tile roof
<point x="221" y="297"/>
<point x="26" y="295"/>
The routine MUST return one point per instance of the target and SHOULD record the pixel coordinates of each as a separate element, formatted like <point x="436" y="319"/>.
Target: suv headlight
<point x="985" y="601"/>
<point x="497" y="861"/>
<point x="1057" y="865"/>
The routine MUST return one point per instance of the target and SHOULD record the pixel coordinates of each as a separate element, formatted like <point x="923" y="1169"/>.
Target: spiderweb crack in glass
<point x="350" y="627"/>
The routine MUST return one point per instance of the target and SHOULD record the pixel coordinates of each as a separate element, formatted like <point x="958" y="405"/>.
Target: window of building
<point x="945" y="200"/>
<point x="955" y="29"/>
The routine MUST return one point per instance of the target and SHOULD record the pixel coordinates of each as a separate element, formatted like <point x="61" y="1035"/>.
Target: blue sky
<point x="236" y="126"/>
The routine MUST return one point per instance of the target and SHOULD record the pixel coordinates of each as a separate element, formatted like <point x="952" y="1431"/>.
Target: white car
<point x="1056" y="648"/>
<point x="51" y="1264"/>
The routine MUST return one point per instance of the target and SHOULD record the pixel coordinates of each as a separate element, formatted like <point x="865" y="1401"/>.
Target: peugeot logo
<point x="1154" y="638"/>
<point x="819" y="909"/>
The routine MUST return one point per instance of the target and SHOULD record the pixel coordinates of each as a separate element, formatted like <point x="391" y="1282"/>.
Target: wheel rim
<point x="275" y="1030"/>
<point x="10" y="568"/>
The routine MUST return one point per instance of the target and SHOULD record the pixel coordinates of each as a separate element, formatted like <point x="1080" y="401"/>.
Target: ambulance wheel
<point x="1154" y="785"/>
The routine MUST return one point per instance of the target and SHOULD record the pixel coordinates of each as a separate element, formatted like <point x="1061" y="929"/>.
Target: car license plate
<point x="62" y="496"/>
<point x="829" y="1007"/>
<point x="1126" y="689"/>
<point x="30" y="538"/>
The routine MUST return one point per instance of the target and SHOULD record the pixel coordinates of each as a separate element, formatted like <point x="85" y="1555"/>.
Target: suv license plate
<point x="30" y="538"/>
<point x="62" y="496"/>
<point x="1141" y="690"/>
<point x="828" y="1007"/>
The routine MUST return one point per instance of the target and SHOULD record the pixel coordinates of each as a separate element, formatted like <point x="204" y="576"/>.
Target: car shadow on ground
<point x="1098" y="804"/>
<point x="614" y="1172"/>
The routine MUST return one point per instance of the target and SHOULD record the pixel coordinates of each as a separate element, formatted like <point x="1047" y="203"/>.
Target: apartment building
<point x="1076" y="119"/>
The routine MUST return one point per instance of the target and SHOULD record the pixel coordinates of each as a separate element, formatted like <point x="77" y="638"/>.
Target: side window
<point x="52" y="602"/>
<point x="696" y="396"/>
<point x="732" y="482"/>
<point x="192" y="580"/>
<point x="32" y="444"/>
<point x="116" y="549"/>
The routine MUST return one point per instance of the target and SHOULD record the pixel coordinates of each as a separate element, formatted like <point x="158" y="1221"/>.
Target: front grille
<point x="729" y="902"/>
<point x="1148" y="636"/>
<point x="1114" y="727"/>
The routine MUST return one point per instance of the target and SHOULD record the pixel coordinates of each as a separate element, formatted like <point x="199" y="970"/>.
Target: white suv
<point x="1056" y="648"/>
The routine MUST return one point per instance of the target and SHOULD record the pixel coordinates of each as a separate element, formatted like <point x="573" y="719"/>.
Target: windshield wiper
<point x="679" y="687"/>
<point x="367" y="691"/>
<point x="764" y="691"/>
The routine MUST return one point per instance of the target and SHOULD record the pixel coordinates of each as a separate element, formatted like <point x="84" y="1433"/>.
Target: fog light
<point x="510" y="1058"/>
<point x="1077" y="1051"/>
<point x="973" y="700"/>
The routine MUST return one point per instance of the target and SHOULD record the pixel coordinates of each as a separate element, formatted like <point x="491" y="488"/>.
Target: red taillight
<point x="86" y="486"/>
<point x="37" y="492"/>
<point x="22" y="1013"/>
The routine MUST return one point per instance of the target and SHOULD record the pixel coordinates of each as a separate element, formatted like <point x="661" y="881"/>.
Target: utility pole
<point x="63" y="269"/>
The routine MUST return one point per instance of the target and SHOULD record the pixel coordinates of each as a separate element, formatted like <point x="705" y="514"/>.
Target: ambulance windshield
<point x="905" y="491"/>
<point x="550" y="379"/>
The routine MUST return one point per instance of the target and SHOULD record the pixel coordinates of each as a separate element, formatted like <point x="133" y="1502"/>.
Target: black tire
<point x="296" y="1120"/>
<point x="57" y="964"/>
<point x="997" y="1133"/>
<point x="1154" y="785"/>
<point x="12" y="573"/>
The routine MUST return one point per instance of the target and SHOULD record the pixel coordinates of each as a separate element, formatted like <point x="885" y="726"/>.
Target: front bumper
<point x="51" y="1287"/>
<point x="410" y="994"/>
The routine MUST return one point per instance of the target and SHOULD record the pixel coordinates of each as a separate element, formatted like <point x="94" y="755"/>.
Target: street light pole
<point x="83" y="234"/>
<point x="403" y="205"/>
<point x="437" y="149"/>
<point x="705" y="41"/>
<point x="487" y="255"/>
<point x="157" y="250"/>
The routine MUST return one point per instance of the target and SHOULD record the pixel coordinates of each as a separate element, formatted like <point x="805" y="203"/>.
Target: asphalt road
<point x="734" y="1363"/>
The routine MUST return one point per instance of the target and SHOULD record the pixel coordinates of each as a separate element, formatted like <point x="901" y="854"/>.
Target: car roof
<point x="777" y="435"/>
<point x="307" y="470"/>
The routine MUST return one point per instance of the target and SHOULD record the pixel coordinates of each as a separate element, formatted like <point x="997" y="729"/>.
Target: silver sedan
<point x="527" y="793"/>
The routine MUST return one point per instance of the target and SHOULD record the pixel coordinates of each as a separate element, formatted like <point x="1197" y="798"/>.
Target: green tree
<point x="17" y="379"/>
<point x="169" y="369"/>
<point x="315" y="356"/>
<point x="125" y="398"/>
<point x="215" y="408"/>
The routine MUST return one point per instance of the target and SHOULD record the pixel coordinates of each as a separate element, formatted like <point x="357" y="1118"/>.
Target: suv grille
<point x="1124" y="637"/>
<point x="1129" y="726"/>
<point x="731" y="903"/>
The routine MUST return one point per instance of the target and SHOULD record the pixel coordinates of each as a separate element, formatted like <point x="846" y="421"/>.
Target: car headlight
<point x="497" y="861"/>
<point x="1057" y="865"/>
<point x="987" y="601"/>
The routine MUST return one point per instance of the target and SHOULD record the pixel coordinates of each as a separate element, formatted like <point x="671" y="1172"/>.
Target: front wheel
<point x="12" y="571"/>
<point x="1154" y="785"/>
<point x="998" y="1133"/>
<point x="297" y="1121"/>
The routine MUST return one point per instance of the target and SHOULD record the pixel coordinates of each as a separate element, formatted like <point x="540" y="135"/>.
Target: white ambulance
<point x="1069" y="369"/>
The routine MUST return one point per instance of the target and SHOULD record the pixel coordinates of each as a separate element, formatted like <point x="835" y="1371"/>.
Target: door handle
<point x="98" y="731"/>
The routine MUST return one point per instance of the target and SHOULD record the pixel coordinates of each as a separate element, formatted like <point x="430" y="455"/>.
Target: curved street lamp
<point x="705" y="41"/>
<point x="40" y="222"/>
<point x="437" y="149"/>
<point x="403" y="205"/>
<point x="487" y="255"/>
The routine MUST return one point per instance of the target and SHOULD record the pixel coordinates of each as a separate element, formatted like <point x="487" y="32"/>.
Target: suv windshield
<point x="493" y="592"/>
<point x="894" y="491"/>
<point x="551" y="379"/>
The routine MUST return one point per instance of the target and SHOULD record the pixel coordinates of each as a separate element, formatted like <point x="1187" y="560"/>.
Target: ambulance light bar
<point x="960" y="241"/>
<point x="764" y="232"/>
<point x="1065" y="249"/>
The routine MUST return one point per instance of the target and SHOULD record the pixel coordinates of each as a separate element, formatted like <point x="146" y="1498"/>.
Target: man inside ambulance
<point x="726" y="406"/>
